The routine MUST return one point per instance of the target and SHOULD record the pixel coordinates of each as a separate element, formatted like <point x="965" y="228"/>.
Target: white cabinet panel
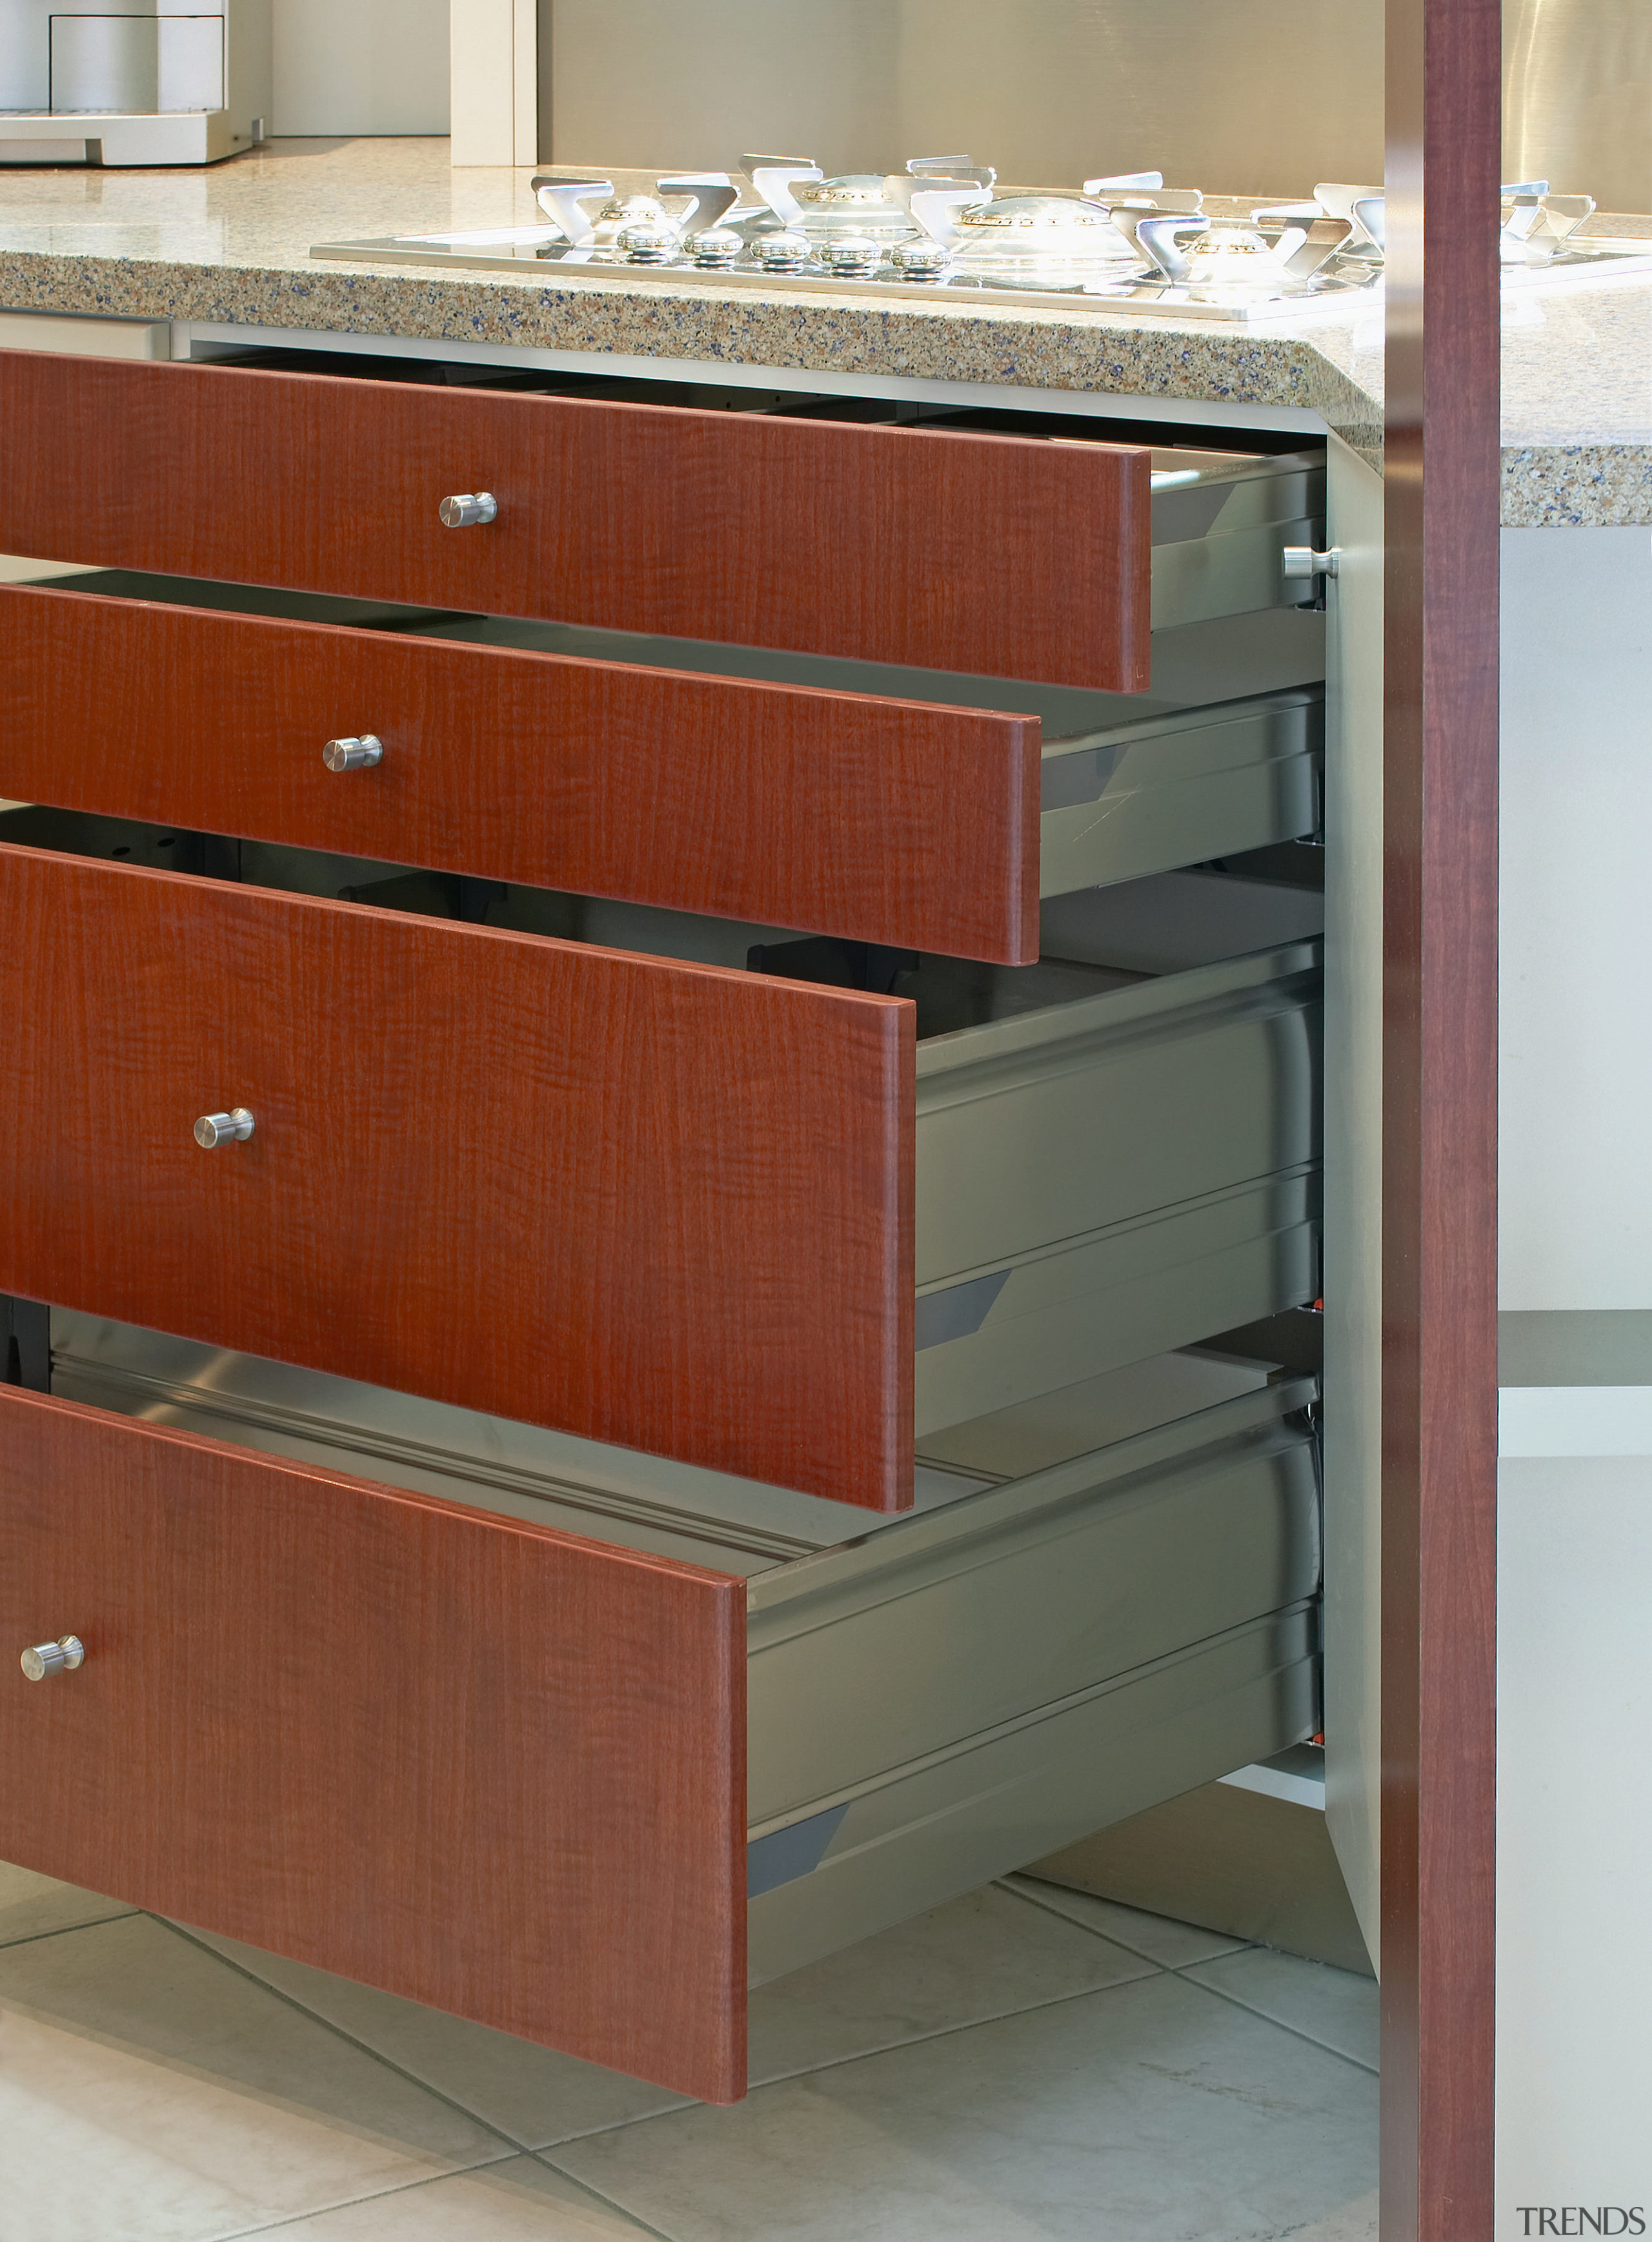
<point x="1573" y="1833"/>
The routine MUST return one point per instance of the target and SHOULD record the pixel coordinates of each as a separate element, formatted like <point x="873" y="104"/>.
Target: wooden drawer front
<point x="883" y="821"/>
<point x="661" y="1204"/>
<point x="473" y="1761"/>
<point x="998" y="554"/>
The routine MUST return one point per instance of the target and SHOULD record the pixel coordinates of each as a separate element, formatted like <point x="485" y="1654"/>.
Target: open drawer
<point x="688" y="1206"/>
<point x="788" y="800"/>
<point x="435" y="1738"/>
<point x="954" y="549"/>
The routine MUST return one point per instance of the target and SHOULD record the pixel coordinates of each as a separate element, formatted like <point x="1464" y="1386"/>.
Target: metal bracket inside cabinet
<point x="430" y="895"/>
<point x="25" y="1344"/>
<point x="834" y="962"/>
<point x="213" y="855"/>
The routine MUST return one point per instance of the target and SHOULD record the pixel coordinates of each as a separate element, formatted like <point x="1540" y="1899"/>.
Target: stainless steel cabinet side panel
<point x="1015" y="1599"/>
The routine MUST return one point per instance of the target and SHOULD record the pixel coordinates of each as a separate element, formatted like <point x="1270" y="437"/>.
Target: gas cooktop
<point x="945" y="230"/>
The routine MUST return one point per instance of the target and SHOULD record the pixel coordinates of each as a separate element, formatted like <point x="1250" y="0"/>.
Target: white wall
<point x="1576" y="999"/>
<point x="1575" y="1507"/>
<point x="359" y="66"/>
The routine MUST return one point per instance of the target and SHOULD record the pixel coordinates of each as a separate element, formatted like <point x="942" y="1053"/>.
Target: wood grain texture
<point x="661" y="1205"/>
<point x="473" y="1761"/>
<point x="1003" y="555"/>
<point x="1440" y="1123"/>
<point x="840" y="813"/>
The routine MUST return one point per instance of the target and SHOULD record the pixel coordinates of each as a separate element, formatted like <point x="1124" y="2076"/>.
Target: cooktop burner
<point x="943" y="230"/>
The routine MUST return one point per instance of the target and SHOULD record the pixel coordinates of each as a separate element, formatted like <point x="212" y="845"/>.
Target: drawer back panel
<point x="1003" y="556"/>
<point x="661" y="1205"/>
<point x="477" y="1763"/>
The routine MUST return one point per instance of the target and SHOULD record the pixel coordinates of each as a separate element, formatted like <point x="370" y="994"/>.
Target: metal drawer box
<point x="849" y="813"/>
<point x="951" y="549"/>
<point x="690" y="1205"/>
<point x="916" y="1709"/>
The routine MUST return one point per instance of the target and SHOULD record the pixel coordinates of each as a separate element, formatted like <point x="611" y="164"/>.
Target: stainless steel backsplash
<point x="1577" y="98"/>
<point x="1229" y="95"/>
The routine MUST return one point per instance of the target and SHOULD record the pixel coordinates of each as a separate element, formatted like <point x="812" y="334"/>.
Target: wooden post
<point x="1440" y="1120"/>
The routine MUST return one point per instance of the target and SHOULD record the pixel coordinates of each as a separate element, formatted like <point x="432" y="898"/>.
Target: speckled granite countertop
<point x="231" y="245"/>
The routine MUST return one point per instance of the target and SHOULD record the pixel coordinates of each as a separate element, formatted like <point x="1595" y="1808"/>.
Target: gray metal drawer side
<point x="1056" y="1124"/>
<point x="927" y="1707"/>
<point x="1175" y="790"/>
<point x="952" y="1621"/>
<point x="1218" y="545"/>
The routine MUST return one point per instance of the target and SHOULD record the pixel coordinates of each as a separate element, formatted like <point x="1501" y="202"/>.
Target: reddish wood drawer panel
<point x="478" y="1763"/>
<point x="665" y="1206"/>
<point x="1001" y="555"/>
<point x="841" y="813"/>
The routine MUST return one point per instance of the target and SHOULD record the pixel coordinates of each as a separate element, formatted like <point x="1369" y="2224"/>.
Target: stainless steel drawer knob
<point x="353" y="754"/>
<point x="468" y="509"/>
<point x="60" y="1657"/>
<point x="215" y="1129"/>
<point x="1301" y="561"/>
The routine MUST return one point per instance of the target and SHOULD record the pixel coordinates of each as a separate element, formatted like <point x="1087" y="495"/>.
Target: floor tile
<point x="32" y="1906"/>
<point x="533" y="2095"/>
<point x="1336" y="2007"/>
<point x="147" y="2091"/>
<point x="1153" y="2113"/>
<point x="1355" y="2222"/>
<point x="1160" y="1937"/>
<point x="519" y="2201"/>
<point x="986" y="1955"/>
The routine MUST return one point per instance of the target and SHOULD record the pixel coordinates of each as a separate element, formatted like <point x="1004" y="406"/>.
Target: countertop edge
<point x="1010" y="346"/>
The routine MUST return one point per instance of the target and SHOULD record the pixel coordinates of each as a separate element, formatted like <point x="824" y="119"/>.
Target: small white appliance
<point x="140" y="82"/>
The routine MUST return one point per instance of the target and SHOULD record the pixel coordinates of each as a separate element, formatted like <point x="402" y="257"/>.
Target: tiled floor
<point x="1024" y="2065"/>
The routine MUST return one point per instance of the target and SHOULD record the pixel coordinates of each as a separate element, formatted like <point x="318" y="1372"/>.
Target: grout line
<point x="1182" y="1968"/>
<point x="350" y="2038"/>
<point x="64" y="1929"/>
<point x="949" y="2031"/>
<point x="860" y="2055"/>
<point x="613" y="2203"/>
<point x="1295" y="2030"/>
<point x="349" y="2202"/>
<point x="1111" y="1938"/>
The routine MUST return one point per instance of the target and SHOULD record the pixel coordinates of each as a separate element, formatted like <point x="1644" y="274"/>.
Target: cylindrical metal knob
<point x="922" y="260"/>
<point x="647" y="242"/>
<point x="716" y="249"/>
<point x="60" y="1657"/>
<point x="215" y="1129"/>
<point x="468" y="509"/>
<point x="784" y="253"/>
<point x="353" y="754"/>
<point x="1301" y="561"/>
<point x="853" y="255"/>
